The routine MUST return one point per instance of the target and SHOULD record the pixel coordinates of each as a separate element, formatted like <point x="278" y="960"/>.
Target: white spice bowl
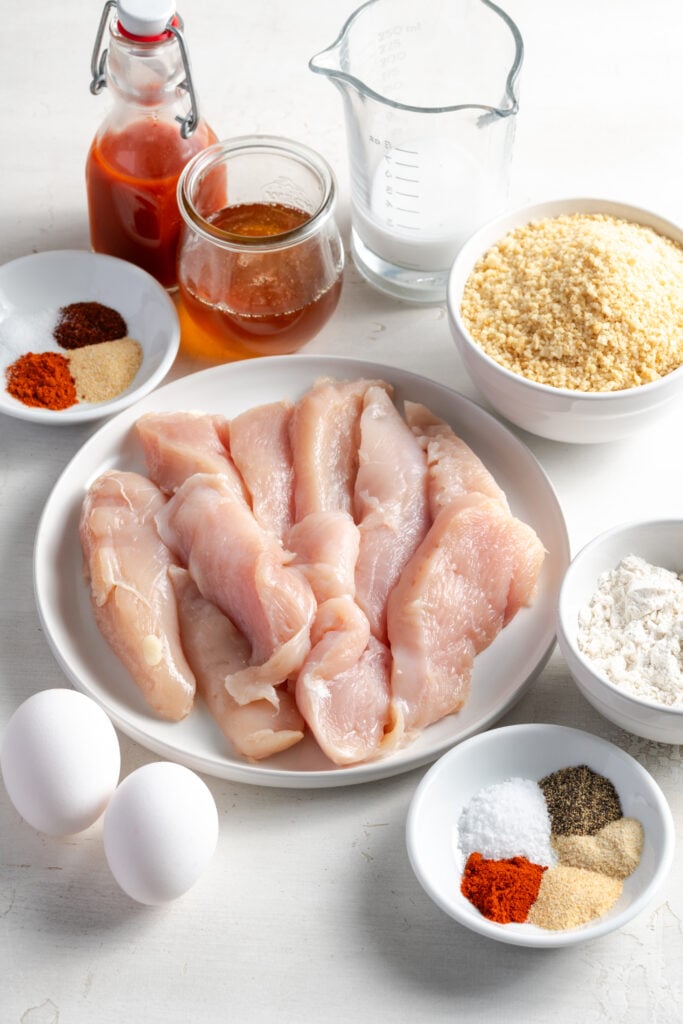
<point x="659" y="542"/>
<point x="38" y="285"/>
<point x="531" y="752"/>
<point x="559" y="414"/>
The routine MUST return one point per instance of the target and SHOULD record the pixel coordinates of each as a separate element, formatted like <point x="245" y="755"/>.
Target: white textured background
<point x="309" y="911"/>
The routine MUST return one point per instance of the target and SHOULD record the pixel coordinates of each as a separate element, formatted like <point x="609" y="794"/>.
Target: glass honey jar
<point x="260" y="260"/>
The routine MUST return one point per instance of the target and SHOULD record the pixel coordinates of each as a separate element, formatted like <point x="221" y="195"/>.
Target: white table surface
<point x="309" y="910"/>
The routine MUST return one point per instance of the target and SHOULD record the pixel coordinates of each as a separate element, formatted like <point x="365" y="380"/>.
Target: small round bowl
<point x="531" y="751"/>
<point x="659" y="542"/>
<point x="33" y="285"/>
<point x="560" y="414"/>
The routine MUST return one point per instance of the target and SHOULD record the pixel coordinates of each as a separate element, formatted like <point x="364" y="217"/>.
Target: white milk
<point x="426" y="198"/>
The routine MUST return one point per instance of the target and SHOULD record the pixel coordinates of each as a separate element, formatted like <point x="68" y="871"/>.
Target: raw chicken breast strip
<point x="343" y="688"/>
<point x="178" y="444"/>
<point x="325" y="435"/>
<point x="216" y="649"/>
<point x="473" y="571"/>
<point x="325" y="547"/>
<point x="242" y="568"/>
<point x="135" y="608"/>
<point x="453" y="467"/>
<point x="390" y="501"/>
<point x="261" y="450"/>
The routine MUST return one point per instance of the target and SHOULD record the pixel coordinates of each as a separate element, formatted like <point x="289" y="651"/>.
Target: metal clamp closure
<point x="191" y="120"/>
<point x="98" y="63"/>
<point x="98" y="60"/>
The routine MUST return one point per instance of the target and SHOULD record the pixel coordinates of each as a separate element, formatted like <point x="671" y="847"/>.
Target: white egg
<point x="160" y="832"/>
<point x="60" y="761"/>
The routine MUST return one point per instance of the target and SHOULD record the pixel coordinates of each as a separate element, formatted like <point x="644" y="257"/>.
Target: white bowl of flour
<point x="620" y="626"/>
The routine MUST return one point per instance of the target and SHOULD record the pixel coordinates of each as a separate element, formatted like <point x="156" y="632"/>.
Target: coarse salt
<point x="507" y="819"/>
<point x="27" y="332"/>
<point x="632" y="630"/>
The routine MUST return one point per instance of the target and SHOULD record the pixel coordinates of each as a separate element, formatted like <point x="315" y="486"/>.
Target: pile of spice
<point x="88" y="323"/>
<point x="86" y="355"/>
<point x="552" y="853"/>
<point x="587" y="302"/>
<point x="632" y="630"/>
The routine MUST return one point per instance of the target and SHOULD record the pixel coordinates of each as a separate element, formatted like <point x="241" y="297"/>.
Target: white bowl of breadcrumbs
<point x="568" y="316"/>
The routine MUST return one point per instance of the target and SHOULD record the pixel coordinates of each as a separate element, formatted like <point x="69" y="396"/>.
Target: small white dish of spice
<point x="539" y="835"/>
<point x="620" y="626"/>
<point x="568" y="317"/>
<point x="82" y="335"/>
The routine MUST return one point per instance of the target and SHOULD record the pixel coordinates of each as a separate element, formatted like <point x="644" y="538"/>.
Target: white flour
<point x="632" y="630"/>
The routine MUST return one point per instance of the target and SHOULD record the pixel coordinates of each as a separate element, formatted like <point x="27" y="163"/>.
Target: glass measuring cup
<point x="430" y="100"/>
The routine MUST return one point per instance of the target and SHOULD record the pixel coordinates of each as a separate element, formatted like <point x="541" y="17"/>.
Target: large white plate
<point x="501" y="674"/>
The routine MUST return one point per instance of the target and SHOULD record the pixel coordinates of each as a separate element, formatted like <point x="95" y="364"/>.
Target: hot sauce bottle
<point x="151" y="132"/>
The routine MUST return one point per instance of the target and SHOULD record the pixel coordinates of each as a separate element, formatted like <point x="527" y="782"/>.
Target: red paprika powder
<point x="43" y="380"/>
<point x="502" y="890"/>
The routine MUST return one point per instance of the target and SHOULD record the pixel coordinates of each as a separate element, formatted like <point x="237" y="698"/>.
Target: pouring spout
<point x="326" y="62"/>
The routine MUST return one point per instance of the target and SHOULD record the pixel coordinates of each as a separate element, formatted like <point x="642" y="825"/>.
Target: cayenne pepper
<point x="502" y="890"/>
<point x="88" y="323"/>
<point x="42" y="380"/>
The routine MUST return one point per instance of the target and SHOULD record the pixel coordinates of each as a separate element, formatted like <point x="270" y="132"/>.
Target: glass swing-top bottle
<point x="151" y="132"/>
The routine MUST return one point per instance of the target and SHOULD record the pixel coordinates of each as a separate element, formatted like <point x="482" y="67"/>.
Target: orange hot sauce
<point x="131" y="180"/>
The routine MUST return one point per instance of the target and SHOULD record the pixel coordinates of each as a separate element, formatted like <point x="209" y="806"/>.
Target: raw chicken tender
<point x="242" y="568"/>
<point x="325" y="435"/>
<point x="178" y="444"/>
<point x="133" y="601"/>
<point x="453" y="468"/>
<point x="343" y="688"/>
<point x="330" y="565"/>
<point x="325" y="547"/>
<point x="261" y="450"/>
<point x="390" y="502"/>
<point x="216" y="649"/>
<point x="474" y="570"/>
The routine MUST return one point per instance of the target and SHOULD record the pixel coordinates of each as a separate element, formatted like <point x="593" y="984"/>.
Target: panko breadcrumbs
<point x="587" y="302"/>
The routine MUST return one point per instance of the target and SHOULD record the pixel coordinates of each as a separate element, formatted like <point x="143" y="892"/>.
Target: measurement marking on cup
<point x="407" y="195"/>
<point x="408" y="227"/>
<point x="400" y="163"/>
<point x="411" y="181"/>
<point x="403" y="209"/>
<point x="400" y="149"/>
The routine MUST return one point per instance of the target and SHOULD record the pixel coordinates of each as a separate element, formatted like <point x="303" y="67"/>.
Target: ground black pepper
<point x="580" y="802"/>
<point x="88" y="323"/>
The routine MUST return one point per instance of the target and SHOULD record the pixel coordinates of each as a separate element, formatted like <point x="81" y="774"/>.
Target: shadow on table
<point x="414" y="940"/>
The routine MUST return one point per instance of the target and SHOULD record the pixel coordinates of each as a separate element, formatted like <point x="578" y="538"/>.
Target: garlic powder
<point x="632" y="630"/>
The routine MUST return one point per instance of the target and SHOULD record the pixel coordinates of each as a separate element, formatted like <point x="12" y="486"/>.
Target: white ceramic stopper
<point x="145" y="17"/>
